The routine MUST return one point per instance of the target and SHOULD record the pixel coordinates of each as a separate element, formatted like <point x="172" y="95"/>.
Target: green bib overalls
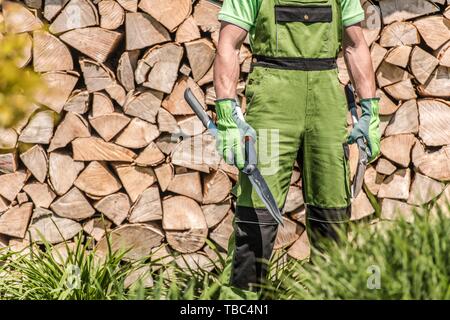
<point x="298" y="109"/>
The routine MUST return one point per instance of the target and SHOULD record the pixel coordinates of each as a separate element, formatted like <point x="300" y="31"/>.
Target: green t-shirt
<point x="243" y="13"/>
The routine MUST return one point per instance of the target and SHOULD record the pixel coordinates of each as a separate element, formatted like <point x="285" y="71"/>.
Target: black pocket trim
<point x="303" y="14"/>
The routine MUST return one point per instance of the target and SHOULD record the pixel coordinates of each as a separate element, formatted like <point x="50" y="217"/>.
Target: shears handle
<point x="200" y="112"/>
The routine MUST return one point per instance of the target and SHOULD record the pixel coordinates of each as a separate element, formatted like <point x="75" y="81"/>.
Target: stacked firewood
<point x="111" y="147"/>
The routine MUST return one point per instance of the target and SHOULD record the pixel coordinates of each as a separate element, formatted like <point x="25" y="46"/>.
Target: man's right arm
<point x="226" y="64"/>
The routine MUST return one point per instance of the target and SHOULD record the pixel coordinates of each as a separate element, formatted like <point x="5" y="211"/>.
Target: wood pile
<point x="111" y="146"/>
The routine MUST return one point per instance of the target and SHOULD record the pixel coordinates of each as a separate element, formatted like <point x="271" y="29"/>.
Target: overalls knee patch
<point x="295" y="102"/>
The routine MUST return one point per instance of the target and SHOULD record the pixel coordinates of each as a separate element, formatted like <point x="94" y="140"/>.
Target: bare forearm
<point x="359" y="63"/>
<point x="226" y="64"/>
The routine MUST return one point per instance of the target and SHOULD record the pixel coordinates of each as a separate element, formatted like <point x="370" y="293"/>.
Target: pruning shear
<point x="363" y="159"/>
<point x="250" y="168"/>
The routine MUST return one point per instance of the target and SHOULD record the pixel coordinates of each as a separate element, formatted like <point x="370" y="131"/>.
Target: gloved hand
<point x="231" y="130"/>
<point x="368" y="127"/>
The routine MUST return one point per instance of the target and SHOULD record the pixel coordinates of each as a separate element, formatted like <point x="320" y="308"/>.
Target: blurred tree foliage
<point x="17" y="86"/>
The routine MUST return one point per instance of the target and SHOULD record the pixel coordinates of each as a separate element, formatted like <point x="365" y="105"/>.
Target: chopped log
<point x="109" y="125"/>
<point x="184" y="223"/>
<point x="8" y="162"/>
<point x="435" y="165"/>
<point x="373" y="180"/>
<point x="125" y="69"/>
<point x="361" y="207"/>
<point x="22" y="198"/>
<point x="387" y="106"/>
<point x="18" y="19"/>
<point x="201" y="55"/>
<point x="187" y="31"/>
<point x="73" y="205"/>
<point x="158" y="69"/>
<point x="101" y="104"/>
<point x="396" y="186"/>
<point x="435" y="30"/>
<point x="115" y="207"/>
<point x="394" y="209"/>
<point x="8" y="138"/>
<point x="147" y="207"/>
<point x="35" y="159"/>
<point x="222" y="233"/>
<point x="399" y="33"/>
<point x="40" y="194"/>
<point x="150" y="156"/>
<point x="3" y="205"/>
<point x="372" y="23"/>
<point x="73" y="126"/>
<point x="294" y="199"/>
<point x="59" y="85"/>
<point x="14" y="222"/>
<point x="49" y="53"/>
<point x="399" y="56"/>
<point x="190" y="125"/>
<point x="63" y="171"/>
<point x="377" y="54"/>
<point x="214" y="213"/>
<point x="167" y="143"/>
<point x="403" y="90"/>
<point x="129" y="5"/>
<point x="167" y="122"/>
<point x="35" y="4"/>
<point x="170" y="13"/>
<point x="398" y="10"/>
<point x="97" y="228"/>
<point x="96" y="75"/>
<point x="441" y="205"/>
<point x="398" y="148"/>
<point x="97" y="180"/>
<point x="117" y="93"/>
<point x="405" y="120"/>
<point x="175" y="102"/>
<point x="385" y="167"/>
<point x="78" y="102"/>
<point x="54" y="229"/>
<point x="208" y="77"/>
<point x="137" y="134"/>
<point x="216" y="187"/>
<point x="424" y="189"/>
<point x="112" y="15"/>
<point x="11" y="184"/>
<point x="96" y="43"/>
<point x="205" y="15"/>
<point x="140" y="276"/>
<point x="388" y="74"/>
<point x="144" y="104"/>
<point x="164" y="174"/>
<point x="89" y="149"/>
<point x="39" y="129"/>
<point x="142" y="31"/>
<point x="197" y="153"/>
<point x="136" y="240"/>
<point x="443" y="54"/>
<point x="24" y="57"/>
<point x="130" y="174"/>
<point x="230" y="170"/>
<point x="194" y="261"/>
<point x="161" y="256"/>
<point x="422" y="64"/>
<point x="300" y="249"/>
<point x="287" y="234"/>
<point x="344" y="77"/>
<point x="75" y="15"/>
<point x="437" y="85"/>
<point x="434" y="122"/>
<point x="53" y="7"/>
<point x="187" y="184"/>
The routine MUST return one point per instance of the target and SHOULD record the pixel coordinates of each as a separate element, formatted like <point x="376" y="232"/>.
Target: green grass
<point x="394" y="260"/>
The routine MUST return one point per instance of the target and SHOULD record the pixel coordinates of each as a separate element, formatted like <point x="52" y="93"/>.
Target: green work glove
<point x="231" y="130"/>
<point x="368" y="127"/>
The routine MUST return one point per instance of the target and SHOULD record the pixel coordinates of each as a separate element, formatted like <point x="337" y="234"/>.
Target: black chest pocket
<point x="305" y="14"/>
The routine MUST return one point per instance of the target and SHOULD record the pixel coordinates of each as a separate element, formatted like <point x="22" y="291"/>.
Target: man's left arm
<point x="359" y="65"/>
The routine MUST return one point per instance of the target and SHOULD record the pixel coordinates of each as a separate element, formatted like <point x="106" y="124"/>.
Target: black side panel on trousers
<point x="255" y="233"/>
<point x="305" y="64"/>
<point x="331" y="215"/>
<point x="303" y="14"/>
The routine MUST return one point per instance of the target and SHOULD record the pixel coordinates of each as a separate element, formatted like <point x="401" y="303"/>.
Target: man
<point x="294" y="97"/>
